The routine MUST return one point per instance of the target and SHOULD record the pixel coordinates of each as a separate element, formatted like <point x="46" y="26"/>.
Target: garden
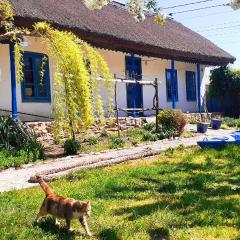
<point x="183" y="194"/>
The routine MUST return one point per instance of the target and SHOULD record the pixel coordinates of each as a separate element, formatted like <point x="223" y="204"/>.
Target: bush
<point x="172" y="121"/>
<point x="149" y="127"/>
<point x="231" y="122"/>
<point x="147" y="136"/>
<point x="16" y="137"/>
<point x="104" y="133"/>
<point x="71" y="147"/>
<point x="117" y="142"/>
<point x="92" y="140"/>
<point x="224" y="88"/>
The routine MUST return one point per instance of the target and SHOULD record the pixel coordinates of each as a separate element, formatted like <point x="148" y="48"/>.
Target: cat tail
<point x="44" y="185"/>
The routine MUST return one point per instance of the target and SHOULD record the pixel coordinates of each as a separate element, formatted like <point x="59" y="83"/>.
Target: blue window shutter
<point x="169" y="85"/>
<point x="34" y="87"/>
<point x="191" y="86"/>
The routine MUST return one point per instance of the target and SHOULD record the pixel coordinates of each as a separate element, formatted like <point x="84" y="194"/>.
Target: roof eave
<point x="127" y="46"/>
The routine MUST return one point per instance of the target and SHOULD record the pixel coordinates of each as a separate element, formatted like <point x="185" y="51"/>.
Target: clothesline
<point x="123" y="80"/>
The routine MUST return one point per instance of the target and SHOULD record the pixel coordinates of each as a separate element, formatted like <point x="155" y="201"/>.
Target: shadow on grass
<point x="60" y="233"/>
<point x="108" y="234"/>
<point x="159" y="234"/>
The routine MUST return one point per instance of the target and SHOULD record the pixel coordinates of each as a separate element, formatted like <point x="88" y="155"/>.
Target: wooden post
<point x="157" y="103"/>
<point x="116" y="106"/>
<point x="13" y="81"/>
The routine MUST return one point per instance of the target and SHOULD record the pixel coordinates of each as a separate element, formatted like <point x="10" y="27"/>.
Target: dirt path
<point x="18" y="178"/>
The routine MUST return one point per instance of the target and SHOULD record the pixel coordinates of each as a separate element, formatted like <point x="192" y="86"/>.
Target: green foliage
<point x="231" y="122"/>
<point x="172" y="121"/>
<point x="75" y="86"/>
<point x="104" y="133"/>
<point x="71" y="147"/>
<point x="117" y="142"/>
<point x="148" y="136"/>
<point x="92" y="140"/>
<point x="6" y="14"/>
<point x="225" y="87"/>
<point x="16" y="137"/>
<point x="149" y="127"/>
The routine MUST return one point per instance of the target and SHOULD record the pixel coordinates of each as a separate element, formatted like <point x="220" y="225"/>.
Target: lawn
<point x="184" y="194"/>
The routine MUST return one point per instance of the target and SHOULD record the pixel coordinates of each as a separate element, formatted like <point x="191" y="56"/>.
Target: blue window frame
<point x="169" y="85"/>
<point x="36" y="82"/>
<point x="191" y="86"/>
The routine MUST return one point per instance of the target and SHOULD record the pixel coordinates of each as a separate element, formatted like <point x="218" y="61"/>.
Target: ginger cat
<point x="65" y="208"/>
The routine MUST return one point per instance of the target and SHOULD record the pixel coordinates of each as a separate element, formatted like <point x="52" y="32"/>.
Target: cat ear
<point x="88" y="203"/>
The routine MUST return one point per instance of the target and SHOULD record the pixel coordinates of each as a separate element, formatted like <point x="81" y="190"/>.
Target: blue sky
<point x="221" y="25"/>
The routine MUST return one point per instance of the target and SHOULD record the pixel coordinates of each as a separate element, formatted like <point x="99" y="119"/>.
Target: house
<point x="172" y="53"/>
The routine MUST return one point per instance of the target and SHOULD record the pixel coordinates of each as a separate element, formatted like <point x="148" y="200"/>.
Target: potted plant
<point x="202" y="125"/>
<point x="216" y="123"/>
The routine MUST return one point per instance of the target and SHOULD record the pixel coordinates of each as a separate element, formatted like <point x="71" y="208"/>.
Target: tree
<point x="136" y="8"/>
<point x="225" y="88"/>
<point x="78" y="65"/>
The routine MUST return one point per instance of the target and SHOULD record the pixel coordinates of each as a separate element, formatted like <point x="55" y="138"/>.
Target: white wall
<point x="151" y="68"/>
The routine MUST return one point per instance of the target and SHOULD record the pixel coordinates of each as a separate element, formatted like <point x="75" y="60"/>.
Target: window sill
<point x="36" y="100"/>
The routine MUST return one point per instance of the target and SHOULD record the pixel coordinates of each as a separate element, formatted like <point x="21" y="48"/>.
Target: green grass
<point x="11" y="159"/>
<point x="184" y="194"/>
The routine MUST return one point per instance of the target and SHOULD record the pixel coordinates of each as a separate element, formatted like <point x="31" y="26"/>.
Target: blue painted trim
<point x="192" y="87"/>
<point x="173" y="83"/>
<point x="13" y="81"/>
<point x="199" y="88"/>
<point x="37" y="99"/>
<point x="133" y="71"/>
<point x="176" y="97"/>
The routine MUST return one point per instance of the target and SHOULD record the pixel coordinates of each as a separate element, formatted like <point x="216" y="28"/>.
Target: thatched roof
<point x="114" y="28"/>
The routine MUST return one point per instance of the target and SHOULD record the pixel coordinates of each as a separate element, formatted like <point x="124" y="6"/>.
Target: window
<point x="169" y="85"/>
<point x="36" y="82"/>
<point x="191" y="86"/>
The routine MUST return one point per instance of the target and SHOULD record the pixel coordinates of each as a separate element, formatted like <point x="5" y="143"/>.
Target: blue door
<point x="134" y="90"/>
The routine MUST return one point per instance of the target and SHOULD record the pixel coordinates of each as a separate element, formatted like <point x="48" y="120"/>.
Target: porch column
<point x="13" y="81"/>
<point x="199" y="88"/>
<point x="133" y="70"/>
<point x="173" y="84"/>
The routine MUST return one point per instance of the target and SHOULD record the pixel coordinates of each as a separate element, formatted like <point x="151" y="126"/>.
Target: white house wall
<point x="151" y="68"/>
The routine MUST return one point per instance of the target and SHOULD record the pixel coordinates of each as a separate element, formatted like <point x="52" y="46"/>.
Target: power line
<point x="198" y="9"/>
<point x="187" y="4"/>
<point x="209" y="15"/>
<point x="214" y="25"/>
<point x="220" y="28"/>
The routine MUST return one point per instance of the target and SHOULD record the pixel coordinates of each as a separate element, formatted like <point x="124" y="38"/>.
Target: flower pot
<point x="202" y="127"/>
<point x="216" y="123"/>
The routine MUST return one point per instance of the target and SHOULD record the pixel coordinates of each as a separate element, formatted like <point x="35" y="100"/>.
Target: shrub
<point x="117" y="142"/>
<point x="104" y="133"/>
<point x="92" y="140"/>
<point x="16" y="137"/>
<point x="231" y="122"/>
<point x="172" y="121"/>
<point x="147" y="136"/>
<point x="71" y="147"/>
<point x="149" y="126"/>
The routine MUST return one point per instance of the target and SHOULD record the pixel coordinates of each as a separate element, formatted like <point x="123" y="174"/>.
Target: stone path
<point x="19" y="178"/>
